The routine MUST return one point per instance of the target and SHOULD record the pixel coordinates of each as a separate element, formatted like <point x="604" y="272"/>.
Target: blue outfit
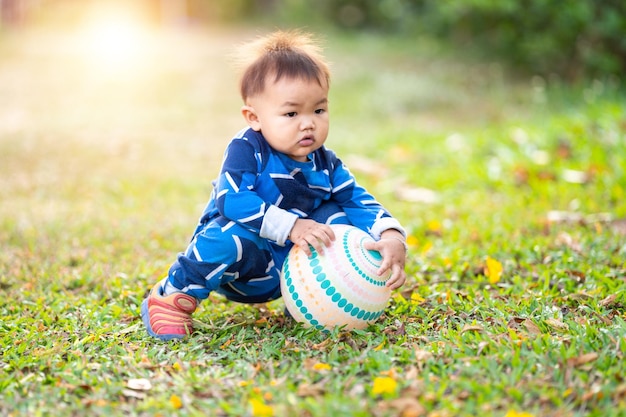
<point x="242" y="238"/>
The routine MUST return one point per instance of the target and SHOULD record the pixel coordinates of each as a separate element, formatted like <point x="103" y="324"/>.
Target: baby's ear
<point x="251" y="117"/>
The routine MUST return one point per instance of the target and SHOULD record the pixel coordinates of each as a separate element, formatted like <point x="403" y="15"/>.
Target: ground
<point x="512" y="192"/>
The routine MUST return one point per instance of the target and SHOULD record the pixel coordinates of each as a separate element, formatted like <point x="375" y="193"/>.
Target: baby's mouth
<point x="307" y="141"/>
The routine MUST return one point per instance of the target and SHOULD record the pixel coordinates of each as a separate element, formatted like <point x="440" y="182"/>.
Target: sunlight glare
<point x="115" y="40"/>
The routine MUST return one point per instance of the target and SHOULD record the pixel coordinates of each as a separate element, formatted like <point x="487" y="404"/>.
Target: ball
<point x="339" y="287"/>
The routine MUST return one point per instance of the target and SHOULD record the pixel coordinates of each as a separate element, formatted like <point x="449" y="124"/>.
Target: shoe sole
<point x="145" y="316"/>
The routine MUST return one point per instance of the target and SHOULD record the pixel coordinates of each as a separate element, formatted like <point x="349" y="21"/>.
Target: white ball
<point x="337" y="288"/>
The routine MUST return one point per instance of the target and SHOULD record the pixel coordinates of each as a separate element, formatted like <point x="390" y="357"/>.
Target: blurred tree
<point x="569" y="38"/>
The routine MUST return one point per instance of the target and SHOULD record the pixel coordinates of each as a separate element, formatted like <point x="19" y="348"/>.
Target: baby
<point x="278" y="186"/>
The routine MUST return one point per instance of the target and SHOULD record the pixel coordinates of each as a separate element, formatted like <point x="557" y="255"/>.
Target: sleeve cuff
<point x="277" y="224"/>
<point x="386" y="223"/>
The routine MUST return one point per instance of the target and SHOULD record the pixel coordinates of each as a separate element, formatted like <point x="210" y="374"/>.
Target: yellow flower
<point x="416" y="298"/>
<point x="513" y="413"/>
<point x="412" y="240"/>
<point x="320" y="366"/>
<point x="493" y="270"/>
<point x="434" y="226"/>
<point x="260" y="409"/>
<point x="384" y="385"/>
<point x="176" y="401"/>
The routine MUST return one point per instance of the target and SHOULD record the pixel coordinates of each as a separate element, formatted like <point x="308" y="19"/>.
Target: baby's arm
<point x="307" y="232"/>
<point x="392" y="247"/>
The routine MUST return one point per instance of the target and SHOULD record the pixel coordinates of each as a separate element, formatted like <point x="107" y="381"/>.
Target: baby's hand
<point x="393" y="250"/>
<point x="307" y="232"/>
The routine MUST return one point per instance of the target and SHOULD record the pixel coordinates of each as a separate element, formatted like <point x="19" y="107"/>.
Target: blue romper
<point x="241" y="241"/>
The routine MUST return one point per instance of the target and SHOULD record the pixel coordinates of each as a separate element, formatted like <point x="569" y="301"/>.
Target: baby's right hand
<point x="307" y="232"/>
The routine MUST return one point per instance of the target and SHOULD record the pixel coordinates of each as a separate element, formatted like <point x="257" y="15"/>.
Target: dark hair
<point x="282" y="54"/>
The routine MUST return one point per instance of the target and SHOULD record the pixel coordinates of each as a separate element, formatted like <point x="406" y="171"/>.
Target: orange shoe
<point x="168" y="317"/>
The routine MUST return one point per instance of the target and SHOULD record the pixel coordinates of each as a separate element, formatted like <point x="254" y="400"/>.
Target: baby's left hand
<point x="393" y="250"/>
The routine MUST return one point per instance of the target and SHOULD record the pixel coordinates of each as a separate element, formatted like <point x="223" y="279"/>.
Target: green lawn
<point x="104" y="171"/>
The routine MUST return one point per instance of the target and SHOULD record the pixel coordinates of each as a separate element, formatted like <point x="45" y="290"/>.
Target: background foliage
<point x="570" y="38"/>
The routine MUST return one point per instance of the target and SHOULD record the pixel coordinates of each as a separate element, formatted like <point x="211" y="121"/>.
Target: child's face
<point x="292" y="115"/>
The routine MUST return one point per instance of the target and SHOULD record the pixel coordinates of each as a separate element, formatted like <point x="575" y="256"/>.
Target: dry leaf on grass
<point x="365" y="165"/>
<point x="129" y="393"/>
<point x="556" y="324"/>
<point x="408" y="407"/>
<point x="565" y="239"/>
<point x="582" y="359"/>
<point x="608" y="301"/>
<point x="576" y="177"/>
<point x="422" y="356"/>
<point x="136" y="388"/>
<point x="531" y="327"/>
<point x="312" y="390"/>
<point x="416" y="194"/>
<point x="472" y="328"/>
<point x="139" y="384"/>
<point x="619" y="226"/>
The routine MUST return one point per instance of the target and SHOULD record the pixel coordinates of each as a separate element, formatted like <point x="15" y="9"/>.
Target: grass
<point x="104" y="173"/>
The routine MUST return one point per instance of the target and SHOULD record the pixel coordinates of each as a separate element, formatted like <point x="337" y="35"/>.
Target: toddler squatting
<point x="278" y="186"/>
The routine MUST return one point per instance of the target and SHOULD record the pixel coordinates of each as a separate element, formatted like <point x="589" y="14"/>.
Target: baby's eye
<point x="291" y="114"/>
<point x="320" y="111"/>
